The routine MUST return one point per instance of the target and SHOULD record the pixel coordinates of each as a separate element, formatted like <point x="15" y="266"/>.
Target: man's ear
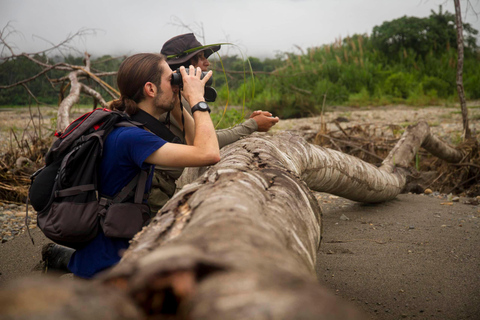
<point x="150" y="89"/>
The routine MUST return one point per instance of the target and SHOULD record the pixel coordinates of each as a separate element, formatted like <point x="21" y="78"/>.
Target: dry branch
<point x="76" y="74"/>
<point x="97" y="96"/>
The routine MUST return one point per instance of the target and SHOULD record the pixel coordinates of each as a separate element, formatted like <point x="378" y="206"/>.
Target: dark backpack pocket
<point x="40" y="192"/>
<point x="124" y="220"/>
<point x="70" y="224"/>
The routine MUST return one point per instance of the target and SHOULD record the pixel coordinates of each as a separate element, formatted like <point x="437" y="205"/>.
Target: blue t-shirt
<point x="124" y="153"/>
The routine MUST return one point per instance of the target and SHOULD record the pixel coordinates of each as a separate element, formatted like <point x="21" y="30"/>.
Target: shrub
<point x="359" y="99"/>
<point x="399" y="84"/>
<point x="442" y="88"/>
<point x="472" y="86"/>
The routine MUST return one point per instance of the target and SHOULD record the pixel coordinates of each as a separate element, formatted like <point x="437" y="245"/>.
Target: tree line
<point x="408" y="60"/>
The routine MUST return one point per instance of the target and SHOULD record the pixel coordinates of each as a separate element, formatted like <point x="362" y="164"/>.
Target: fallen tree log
<point x="48" y="298"/>
<point x="240" y="241"/>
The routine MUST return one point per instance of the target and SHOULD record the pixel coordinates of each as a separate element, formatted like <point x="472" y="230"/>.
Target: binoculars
<point x="210" y="93"/>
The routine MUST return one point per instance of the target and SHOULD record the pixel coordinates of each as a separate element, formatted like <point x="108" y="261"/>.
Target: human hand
<point x="260" y="112"/>
<point x="264" y="120"/>
<point x="193" y="86"/>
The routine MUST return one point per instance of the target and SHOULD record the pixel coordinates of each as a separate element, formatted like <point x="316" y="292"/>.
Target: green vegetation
<point x="226" y="119"/>
<point x="404" y="61"/>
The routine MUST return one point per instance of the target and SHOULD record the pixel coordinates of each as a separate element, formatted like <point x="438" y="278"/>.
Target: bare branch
<point x="99" y="75"/>
<point x="111" y="91"/>
<point x="176" y="21"/>
<point x="61" y="47"/>
<point x="4" y="34"/>
<point x="64" y="66"/>
<point x="31" y="93"/>
<point x="110" y="59"/>
<point x="97" y="96"/>
<point x="65" y="44"/>
<point x="96" y="77"/>
<point x="106" y="74"/>
<point x="59" y="66"/>
<point x="73" y="97"/>
<point x="33" y="77"/>
<point x="469" y="6"/>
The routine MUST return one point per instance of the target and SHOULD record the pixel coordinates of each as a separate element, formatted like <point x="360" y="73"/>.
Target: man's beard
<point x="164" y="106"/>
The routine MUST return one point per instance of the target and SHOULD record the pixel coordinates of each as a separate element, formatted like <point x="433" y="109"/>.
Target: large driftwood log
<point x="53" y="299"/>
<point x="240" y="241"/>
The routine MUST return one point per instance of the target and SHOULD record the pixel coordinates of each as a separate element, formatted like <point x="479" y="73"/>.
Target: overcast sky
<point x="259" y="28"/>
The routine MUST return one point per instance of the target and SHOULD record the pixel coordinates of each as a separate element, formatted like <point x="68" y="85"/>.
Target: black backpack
<point x="64" y="192"/>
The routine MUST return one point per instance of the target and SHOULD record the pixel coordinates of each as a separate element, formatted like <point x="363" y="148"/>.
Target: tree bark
<point x="460" y="89"/>
<point x="49" y="298"/>
<point x="240" y="241"/>
<point x="97" y="96"/>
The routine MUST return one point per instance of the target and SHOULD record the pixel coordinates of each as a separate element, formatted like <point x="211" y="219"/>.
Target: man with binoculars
<point x="144" y="81"/>
<point x="154" y="99"/>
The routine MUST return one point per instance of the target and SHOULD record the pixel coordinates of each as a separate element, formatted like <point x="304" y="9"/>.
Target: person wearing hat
<point x="186" y="50"/>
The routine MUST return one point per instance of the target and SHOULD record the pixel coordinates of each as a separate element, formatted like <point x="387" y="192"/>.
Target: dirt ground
<point x="415" y="257"/>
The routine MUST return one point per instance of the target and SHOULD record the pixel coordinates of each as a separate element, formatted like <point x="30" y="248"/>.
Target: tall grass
<point x="351" y="72"/>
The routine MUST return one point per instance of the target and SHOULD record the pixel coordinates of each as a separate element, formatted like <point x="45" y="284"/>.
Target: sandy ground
<point x="414" y="257"/>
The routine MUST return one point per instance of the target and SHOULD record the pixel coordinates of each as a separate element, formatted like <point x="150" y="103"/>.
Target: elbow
<point x="213" y="158"/>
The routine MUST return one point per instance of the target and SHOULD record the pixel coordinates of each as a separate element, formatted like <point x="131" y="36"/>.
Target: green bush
<point x="399" y="84"/>
<point x="441" y="88"/>
<point x="472" y="86"/>
<point x="336" y="93"/>
<point x="418" y="97"/>
<point x="360" y="99"/>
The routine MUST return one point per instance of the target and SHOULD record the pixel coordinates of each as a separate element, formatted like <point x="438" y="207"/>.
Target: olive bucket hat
<point x="183" y="47"/>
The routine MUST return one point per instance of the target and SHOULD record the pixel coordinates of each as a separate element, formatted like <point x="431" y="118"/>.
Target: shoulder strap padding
<point x="73" y="133"/>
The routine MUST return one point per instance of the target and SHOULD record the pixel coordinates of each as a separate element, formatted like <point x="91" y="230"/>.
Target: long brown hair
<point x="132" y="75"/>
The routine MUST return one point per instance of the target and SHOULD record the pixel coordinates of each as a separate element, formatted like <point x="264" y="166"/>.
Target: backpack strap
<point x="140" y="191"/>
<point x="138" y="183"/>
<point x="26" y="222"/>
<point x="155" y="126"/>
<point x="74" y="190"/>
